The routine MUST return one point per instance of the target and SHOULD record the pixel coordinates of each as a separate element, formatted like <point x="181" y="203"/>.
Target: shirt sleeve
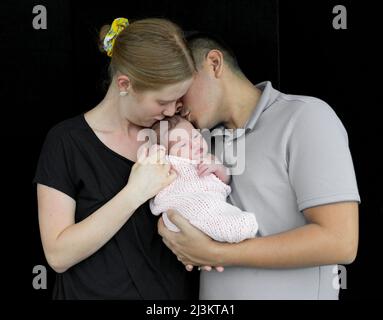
<point x="55" y="164"/>
<point x="320" y="166"/>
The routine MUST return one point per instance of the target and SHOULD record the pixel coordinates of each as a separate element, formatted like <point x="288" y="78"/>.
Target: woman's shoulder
<point x="64" y="129"/>
<point x="69" y="124"/>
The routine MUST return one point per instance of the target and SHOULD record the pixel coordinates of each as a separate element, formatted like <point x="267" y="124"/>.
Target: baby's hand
<point x="211" y="165"/>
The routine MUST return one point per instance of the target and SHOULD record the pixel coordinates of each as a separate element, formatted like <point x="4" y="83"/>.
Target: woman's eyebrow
<point x="166" y="101"/>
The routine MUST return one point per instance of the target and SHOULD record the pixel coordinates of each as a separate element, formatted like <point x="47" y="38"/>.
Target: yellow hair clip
<point x="118" y="25"/>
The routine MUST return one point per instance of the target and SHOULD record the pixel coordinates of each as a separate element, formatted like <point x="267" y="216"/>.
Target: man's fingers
<point x="161" y="227"/>
<point x="167" y="243"/>
<point x="177" y="219"/>
<point x="189" y="267"/>
<point x="209" y="268"/>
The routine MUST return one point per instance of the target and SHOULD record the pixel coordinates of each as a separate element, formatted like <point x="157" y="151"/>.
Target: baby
<point x="200" y="190"/>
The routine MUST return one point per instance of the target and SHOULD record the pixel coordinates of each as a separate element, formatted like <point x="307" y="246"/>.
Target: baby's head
<point x="180" y="138"/>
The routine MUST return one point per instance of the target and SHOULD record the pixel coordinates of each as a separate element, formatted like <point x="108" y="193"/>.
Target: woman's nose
<point x="170" y="110"/>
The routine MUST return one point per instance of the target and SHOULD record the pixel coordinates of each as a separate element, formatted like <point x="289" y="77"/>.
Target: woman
<point x="96" y="227"/>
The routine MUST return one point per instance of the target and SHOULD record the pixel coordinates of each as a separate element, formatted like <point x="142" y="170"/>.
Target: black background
<point x="51" y="75"/>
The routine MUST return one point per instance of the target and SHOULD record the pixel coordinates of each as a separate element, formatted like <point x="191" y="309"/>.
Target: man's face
<point x="201" y="100"/>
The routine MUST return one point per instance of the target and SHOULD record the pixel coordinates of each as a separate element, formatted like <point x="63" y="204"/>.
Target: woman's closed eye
<point x="165" y="103"/>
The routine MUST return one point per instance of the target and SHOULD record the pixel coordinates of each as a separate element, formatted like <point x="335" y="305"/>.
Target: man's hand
<point x="329" y="237"/>
<point x="191" y="246"/>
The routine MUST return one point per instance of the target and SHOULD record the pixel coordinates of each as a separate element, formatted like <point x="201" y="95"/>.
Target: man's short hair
<point x="201" y="43"/>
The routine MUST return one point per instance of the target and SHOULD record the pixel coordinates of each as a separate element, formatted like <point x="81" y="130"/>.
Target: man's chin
<point x="195" y="124"/>
<point x="201" y="125"/>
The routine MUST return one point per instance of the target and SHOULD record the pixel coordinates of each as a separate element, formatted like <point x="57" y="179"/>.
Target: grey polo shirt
<point x="296" y="157"/>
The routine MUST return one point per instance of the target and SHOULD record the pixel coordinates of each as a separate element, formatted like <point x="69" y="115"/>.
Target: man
<point x="298" y="180"/>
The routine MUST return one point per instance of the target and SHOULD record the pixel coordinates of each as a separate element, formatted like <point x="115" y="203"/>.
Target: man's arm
<point x="330" y="237"/>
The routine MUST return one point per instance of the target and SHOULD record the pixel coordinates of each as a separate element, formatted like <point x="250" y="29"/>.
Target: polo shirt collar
<point x="268" y="96"/>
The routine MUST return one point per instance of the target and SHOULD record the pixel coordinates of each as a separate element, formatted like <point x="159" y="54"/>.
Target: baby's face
<point x="186" y="142"/>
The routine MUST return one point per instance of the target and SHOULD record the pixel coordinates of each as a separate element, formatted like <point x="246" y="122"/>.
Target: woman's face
<point x="186" y="142"/>
<point x="146" y="108"/>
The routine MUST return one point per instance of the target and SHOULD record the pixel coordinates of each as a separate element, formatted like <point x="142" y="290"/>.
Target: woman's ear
<point x="123" y="83"/>
<point x="215" y="61"/>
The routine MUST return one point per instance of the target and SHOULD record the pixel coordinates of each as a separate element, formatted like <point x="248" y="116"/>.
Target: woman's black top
<point x="134" y="264"/>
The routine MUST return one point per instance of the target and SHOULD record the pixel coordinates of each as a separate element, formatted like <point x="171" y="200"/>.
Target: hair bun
<point x="103" y="32"/>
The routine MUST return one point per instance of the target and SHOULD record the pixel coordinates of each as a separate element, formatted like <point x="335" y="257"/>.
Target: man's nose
<point x="184" y="111"/>
<point x="179" y="105"/>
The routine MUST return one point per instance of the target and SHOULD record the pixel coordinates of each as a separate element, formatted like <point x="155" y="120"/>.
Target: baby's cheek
<point x="186" y="152"/>
<point x="173" y="152"/>
<point x="176" y="151"/>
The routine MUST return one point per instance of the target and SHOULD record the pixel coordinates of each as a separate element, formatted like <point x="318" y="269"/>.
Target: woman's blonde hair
<point x="152" y="53"/>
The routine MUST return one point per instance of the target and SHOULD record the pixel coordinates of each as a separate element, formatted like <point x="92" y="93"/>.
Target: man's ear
<point x="123" y="83"/>
<point x="214" y="60"/>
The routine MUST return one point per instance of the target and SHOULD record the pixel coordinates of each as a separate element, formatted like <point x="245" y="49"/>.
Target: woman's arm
<point x="330" y="237"/>
<point x="66" y="243"/>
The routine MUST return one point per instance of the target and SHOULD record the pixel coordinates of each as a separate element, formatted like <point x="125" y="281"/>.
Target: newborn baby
<point x="200" y="190"/>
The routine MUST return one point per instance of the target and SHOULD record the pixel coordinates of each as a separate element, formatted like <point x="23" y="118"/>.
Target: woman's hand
<point x="151" y="173"/>
<point x="191" y="246"/>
